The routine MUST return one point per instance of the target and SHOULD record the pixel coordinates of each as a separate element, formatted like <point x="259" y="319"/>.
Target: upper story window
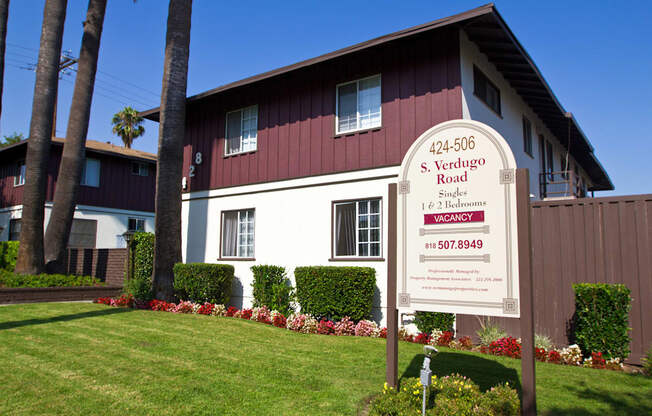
<point x="527" y="136"/>
<point x="139" y="169"/>
<point x="241" y="130"/>
<point x="136" y="224"/>
<point x="356" y="228"/>
<point x="19" y="179"/>
<point x="485" y="90"/>
<point x="358" y="105"/>
<point x="238" y="233"/>
<point x="91" y="173"/>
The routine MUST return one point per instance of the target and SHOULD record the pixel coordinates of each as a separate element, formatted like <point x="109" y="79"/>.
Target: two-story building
<point x="291" y="167"/>
<point x="116" y="193"/>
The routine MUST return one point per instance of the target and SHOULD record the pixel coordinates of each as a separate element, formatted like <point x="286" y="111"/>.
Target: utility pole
<point x="66" y="62"/>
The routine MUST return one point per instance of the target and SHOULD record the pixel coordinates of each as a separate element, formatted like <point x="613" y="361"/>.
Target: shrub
<point x="466" y="343"/>
<point x="142" y="256"/>
<point x="11" y="279"/>
<point x="543" y="342"/>
<point x="508" y="347"/>
<point x="332" y="292"/>
<point x="500" y="400"/>
<point x="383" y="333"/>
<point x="571" y="355"/>
<point x="326" y="327"/>
<point x="218" y="310"/>
<point x="8" y="255"/>
<point x="160" y="305"/>
<point x="595" y="361"/>
<point x="272" y="288"/>
<point x="278" y="320"/>
<point x="231" y="311"/>
<point x="206" y="309"/>
<point x="262" y="314"/>
<point x="203" y="282"/>
<point x="429" y="321"/>
<point x="602" y="317"/>
<point x="554" y="357"/>
<point x="366" y="328"/>
<point x="647" y="362"/>
<point x="445" y="338"/>
<point x="422" y="338"/>
<point x="344" y="327"/>
<point x="489" y="332"/>
<point x="183" y="307"/>
<point x="540" y="354"/>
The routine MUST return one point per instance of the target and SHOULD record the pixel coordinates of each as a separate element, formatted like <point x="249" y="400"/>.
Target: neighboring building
<point x="291" y="167"/>
<point x="116" y="193"/>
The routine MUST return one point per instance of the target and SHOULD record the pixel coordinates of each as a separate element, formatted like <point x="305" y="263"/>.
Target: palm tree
<point x="127" y="125"/>
<point x="74" y="148"/>
<point x="167" y="248"/>
<point x="4" y="14"/>
<point x="30" y="253"/>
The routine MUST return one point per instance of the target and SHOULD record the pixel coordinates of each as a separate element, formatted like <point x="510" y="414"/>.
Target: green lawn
<point x="80" y="358"/>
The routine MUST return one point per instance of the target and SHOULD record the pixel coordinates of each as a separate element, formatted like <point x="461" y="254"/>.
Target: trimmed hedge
<point x="426" y="322"/>
<point x="8" y="255"/>
<point x="331" y="292"/>
<point x="10" y="279"/>
<point x="272" y="288"/>
<point x="602" y="318"/>
<point x="140" y="286"/>
<point x="203" y="282"/>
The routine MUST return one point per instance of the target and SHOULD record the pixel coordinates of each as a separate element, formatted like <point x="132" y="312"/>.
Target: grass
<point x="80" y="358"/>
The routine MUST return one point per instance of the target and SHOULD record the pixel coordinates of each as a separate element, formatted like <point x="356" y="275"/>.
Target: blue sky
<point x="596" y="56"/>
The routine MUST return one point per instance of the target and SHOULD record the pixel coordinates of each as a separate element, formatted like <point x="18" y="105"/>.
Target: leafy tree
<point x="127" y="125"/>
<point x="167" y="227"/>
<point x="30" y="254"/>
<point x="74" y="148"/>
<point x="12" y="139"/>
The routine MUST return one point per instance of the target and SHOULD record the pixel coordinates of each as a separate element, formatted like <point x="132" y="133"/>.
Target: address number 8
<point x="198" y="160"/>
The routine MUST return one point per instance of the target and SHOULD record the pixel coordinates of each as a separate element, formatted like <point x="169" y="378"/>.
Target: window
<point x="19" y="179"/>
<point x="241" y="130"/>
<point x="527" y="136"/>
<point x="91" y="173"/>
<point x="485" y="90"/>
<point x="357" y="228"/>
<point x="82" y="233"/>
<point x="136" y="224"/>
<point x="358" y="105"/>
<point x="139" y="169"/>
<point x="14" y="230"/>
<point x="238" y="233"/>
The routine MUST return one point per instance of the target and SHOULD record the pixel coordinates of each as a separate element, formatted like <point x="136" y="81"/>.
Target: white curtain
<point x="229" y="234"/>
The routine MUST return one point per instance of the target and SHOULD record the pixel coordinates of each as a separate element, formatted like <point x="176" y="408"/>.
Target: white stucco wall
<point x="111" y="223"/>
<point x="292" y="225"/>
<point x="513" y="108"/>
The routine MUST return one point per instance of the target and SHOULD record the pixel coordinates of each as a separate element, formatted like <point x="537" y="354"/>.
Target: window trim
<point x="226" y="131"/>
<point x="99" y="173"/>
<point x="141" y="166"/>
<point x="476" y="71"/>
<point x="356" y="258"/>
<point x="220" y="256"/>
<point x="136" y="219"/>
<point x="18" y="174"/>
<point x="337" y="105"/>
<point x="529" y="123"/>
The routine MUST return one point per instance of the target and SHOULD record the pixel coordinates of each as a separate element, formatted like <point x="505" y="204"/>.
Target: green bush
<point x="602" y="318"/>
<point x="140" y="286"/>
<point x="426" y="322"/>
<point x="272" y="288"/>
<point x="11" y="279"/>
<point x="332" y="292"/>
<point x="452" y="395"/>
<point x="8" y="255"/>
<point x="203" y="282"/>
<point x="489" y="332"/>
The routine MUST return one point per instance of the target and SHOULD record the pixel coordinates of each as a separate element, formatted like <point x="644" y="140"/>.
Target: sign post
<point x="462" y="237"/>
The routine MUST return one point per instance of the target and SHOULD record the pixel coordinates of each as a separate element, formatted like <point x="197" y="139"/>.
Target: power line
<point x="129" y="83"/>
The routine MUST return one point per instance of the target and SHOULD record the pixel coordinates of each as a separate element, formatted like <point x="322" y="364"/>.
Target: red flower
<point x="325" y="327"/>
<point x="597" y="361"/>
<point x="279" y="321"/>
<point x="554" y="357"/>
<point x="445" y="338"/>
<point x="231" y="311"/>
<point x="246" y="314"/>
<point x="422" y="338"/>
<point x="540" y="354"/>
<point x="466" y="342"/>
<point x="508" y="346"/>
<point x="383" y="332"/>
<point x="206" y="309"/>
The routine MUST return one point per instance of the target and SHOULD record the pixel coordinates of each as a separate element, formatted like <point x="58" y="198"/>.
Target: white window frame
<point x="337" y="105"/>
<point x="135" y="219"/>
<point x="19" y="179"/>
<point x="226" y="130"/>
<point x="143" y="169"/>
<point x="238" y="254"/>
<point x="357" y="228"/>
<point x="99" y="173"/>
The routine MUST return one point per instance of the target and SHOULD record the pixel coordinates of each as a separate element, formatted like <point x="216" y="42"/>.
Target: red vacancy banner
<point x="453" y="217"/>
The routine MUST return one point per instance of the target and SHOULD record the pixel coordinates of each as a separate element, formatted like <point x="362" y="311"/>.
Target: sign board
<point x="457" y="234"/>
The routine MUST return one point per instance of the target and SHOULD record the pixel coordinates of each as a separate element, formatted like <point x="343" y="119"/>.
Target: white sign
<point x="457" y="240"/>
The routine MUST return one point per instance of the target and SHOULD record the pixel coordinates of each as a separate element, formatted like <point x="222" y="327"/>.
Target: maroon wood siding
<point x="119" y="188"/>
<point x="420" y="87"/>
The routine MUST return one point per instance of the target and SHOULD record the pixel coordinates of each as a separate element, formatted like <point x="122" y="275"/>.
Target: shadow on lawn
<point x="619" y="404"/>
<point x="62" y="318"/>
<point x="486" y="373"/>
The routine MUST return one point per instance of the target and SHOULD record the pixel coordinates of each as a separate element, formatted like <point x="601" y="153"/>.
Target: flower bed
<point x="307" y="324"/>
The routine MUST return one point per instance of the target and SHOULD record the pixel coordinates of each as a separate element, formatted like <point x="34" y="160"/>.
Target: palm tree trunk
<point x="4" y="15"/>
<point x="167" y="249"/>
<point x="30" y="254"/>
<point x="74" y="148"/>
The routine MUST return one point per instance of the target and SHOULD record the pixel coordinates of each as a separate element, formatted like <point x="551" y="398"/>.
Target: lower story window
<point x="83" y="233"/>
<point x="238" y="233"/>
<point x="136" y="224"/>
<point x="357" y="228"/>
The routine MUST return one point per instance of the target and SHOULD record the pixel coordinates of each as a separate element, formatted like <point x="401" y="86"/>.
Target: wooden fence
<point x="594" y="240"/>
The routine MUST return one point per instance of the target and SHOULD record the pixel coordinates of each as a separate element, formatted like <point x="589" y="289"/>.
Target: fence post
<point x="391" y="373"/>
